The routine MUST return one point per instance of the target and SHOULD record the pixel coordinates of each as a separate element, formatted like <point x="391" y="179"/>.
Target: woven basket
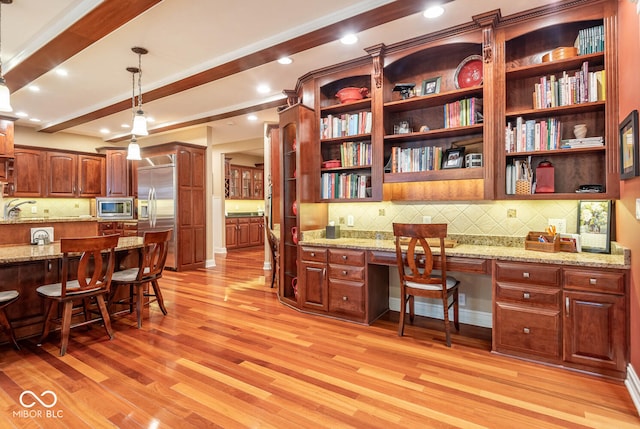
<point x="523" y="187"/>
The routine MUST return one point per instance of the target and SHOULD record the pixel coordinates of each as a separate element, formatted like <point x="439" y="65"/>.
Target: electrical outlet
<point x="462" y="299"/>
<point x="426" y="219"/>
<point x="350" y="220"/>
<point x="511" y="213"/>
<point x="34" y="209"/>
<point x="380" y="212"/>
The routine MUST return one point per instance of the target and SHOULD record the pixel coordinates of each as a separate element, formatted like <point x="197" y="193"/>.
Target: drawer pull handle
<point x="313" y="253"/>
<point x="525" y="275"/>
<point x="344" y="272"/>
<point x="593" y="281"/>
<point x="345" y="298"/>
<point x="566" y="305"/>
<point x="344" y="257"/>
<point x="526" y="295"/>
<point x="526" y="330"/>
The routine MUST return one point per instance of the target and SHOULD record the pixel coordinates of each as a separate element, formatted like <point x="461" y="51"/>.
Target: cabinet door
<point x="231" y="233"/>
<point x="61" y="174"/>
<point x="6" y="138"/>
<point x="91" y="176"/>
<point x="247" y="187"/>
<point x="595" y="330"/>
<point x="234" y="182"/>
<point x="258" y="183"/>
<point x="243" y="232"/>
<point x="117" y="173"/>
<point x="28" y="178"/>
<point x="255" y="232"/>
<point x="313" y="285"/>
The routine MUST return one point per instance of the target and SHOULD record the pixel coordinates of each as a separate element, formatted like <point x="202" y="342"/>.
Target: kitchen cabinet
<point x="6" y="136"/>
<point x="243" y="182"/>
<point x="117" y="173"/>
<point x="124" y="228"/>
<point x="312" y="283"/>
<point x="257" y="183"/>
<point x="191" y="207"/>
<point x="74" y="175"/>
<point x="231" y="233"/>
<point x="28" y="179"/>
<point x="244" y="231"/>
<point x="234" y="180"/>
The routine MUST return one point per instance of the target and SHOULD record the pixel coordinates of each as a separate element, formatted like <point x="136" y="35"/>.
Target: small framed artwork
<point x="453" y="158"/>
<point x="431" y="86"/>
<point x="594" y="226"/>
<point x="629" y="165"/>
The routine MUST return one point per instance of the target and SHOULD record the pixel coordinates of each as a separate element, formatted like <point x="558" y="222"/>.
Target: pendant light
<point x="133" y="151"/>
<point x="139" y="127"/>
<point x="5" y="96"/>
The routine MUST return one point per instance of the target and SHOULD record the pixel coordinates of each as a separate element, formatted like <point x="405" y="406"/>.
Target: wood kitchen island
<point x="25" y="267"/>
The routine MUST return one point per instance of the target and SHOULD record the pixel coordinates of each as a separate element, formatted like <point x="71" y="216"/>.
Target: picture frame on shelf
<point x="431" y="86"/>
<point x="629" y="161"/>
<point x="453" y="158"/>
<point x="594" y="225"/>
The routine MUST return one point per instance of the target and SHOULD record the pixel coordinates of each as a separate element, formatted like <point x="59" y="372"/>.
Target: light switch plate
<point x="560" y="224"/>
<point x="638" y="208"/>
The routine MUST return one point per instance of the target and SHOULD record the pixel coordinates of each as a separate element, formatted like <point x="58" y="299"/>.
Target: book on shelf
<point x="344" y="125"/>
<point x="345" y="186"/>
<point x="583" y="142"/>
<point x="591" y="40"/>
<point x="411" y="160"/>
<point x="583" y="86"/>
<point x="355" y="154"/>
<point x="463" y="112"/>
<point x="531" y="136"/>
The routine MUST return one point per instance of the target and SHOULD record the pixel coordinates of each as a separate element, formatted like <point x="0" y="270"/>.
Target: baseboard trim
<point x="210" y="263"/>
<point x="266" y="266"/>
<point x="468" y="317"/>
<point x="633" y="386"/>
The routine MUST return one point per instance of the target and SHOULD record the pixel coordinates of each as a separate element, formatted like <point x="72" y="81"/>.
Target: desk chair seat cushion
<point x="128" y="275"/>
<point x="8" y="295"/>
<point x="451" y="282"/>
<point x="55" y="289"/>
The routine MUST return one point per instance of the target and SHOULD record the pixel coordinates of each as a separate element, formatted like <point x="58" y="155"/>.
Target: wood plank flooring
<point x="229" y="355"/>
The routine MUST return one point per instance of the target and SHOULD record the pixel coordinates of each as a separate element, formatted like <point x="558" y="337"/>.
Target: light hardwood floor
<point x="229" y="355"/>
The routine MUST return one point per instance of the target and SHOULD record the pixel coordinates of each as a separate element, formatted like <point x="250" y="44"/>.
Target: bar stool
<point x="93" y="279"/>
<point x="7" y="298"/>
<point x="154" y="255"/>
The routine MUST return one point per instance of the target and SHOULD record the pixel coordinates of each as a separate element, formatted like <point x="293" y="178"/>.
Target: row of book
<point x="463" y="112"/>
<point x="597" y="141"/>
<point x="345" y="186"/>
<point x="410" y="160"/>
<point x="591" y="40"/>
<point x="347" y="124"/>
<point x="581" y="87"/>
<point x="355" y="154"/>
<point x="529" y="135"/>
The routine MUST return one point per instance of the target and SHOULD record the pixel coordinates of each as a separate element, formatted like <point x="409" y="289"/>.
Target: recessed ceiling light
<point x="104" y="130"/>
<point x="252" y="117"/>
<point x="151" y="119"/>
<point x="62" y="72"/>
<point x="285" y="60"/>
<point x="263" y="89"/>
<point x="125" y="126"/>
<point x="433" y="12"/>
<point x="349" y="39"/>
<point x="22" y="114"/>
<point x="34" y="88"/>
<point x="34" y="120"/>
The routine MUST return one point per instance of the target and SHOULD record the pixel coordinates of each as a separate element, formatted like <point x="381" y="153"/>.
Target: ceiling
<point x="205" y="58"/>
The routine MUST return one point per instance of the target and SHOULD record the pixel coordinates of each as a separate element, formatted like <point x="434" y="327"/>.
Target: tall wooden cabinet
<point x="117" y="173"/>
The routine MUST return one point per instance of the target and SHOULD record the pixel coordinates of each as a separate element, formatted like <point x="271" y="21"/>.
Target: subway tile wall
<point x="496" y="218"/>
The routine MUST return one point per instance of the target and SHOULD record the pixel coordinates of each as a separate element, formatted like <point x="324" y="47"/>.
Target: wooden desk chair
<point x="416" y="272"/>
<point x="7" y="298"/>
<point x="152" y="259"/>
<point x="273" y="240"/>
<point x="92" y="281"/>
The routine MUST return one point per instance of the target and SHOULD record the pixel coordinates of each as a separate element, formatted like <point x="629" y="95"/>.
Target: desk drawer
<point x="346" y="297"/>
<point x="594" y="281"/>
<point x="347" y="257"/>
<point x="346" y="272"/>
<point x="527" y="331"/>
<point x="313" y="254"/>
<point x="529" y="295"/>
<point x="528" y="273"/>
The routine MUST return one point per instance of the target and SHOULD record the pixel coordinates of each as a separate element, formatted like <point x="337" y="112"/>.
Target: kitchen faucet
<point x="8" y="210"/>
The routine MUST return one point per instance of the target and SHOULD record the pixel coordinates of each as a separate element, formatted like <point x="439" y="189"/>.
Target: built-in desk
<point x="25" y="267"/>
<point x="565" y="309"/>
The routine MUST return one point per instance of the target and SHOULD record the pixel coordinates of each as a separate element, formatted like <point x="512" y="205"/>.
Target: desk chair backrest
<point x="417" y="265"/>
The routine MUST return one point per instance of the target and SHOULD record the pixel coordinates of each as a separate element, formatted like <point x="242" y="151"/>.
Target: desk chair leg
<point x="4" y="321"/>
<point x="159" y="298"/>
<point x="273" y="276"/>
<point x="447" y="325"/>
<point x="403" y="311"/>
<point x="67" y="310"/>
<point x="456" y="320"/>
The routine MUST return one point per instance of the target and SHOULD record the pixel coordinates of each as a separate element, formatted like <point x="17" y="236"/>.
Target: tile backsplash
<point x="503" y="218"/>
<point x="53" y="207"/>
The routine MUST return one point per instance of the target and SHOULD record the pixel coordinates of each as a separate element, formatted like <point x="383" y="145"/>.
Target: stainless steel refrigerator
<point x="157" y="199"/>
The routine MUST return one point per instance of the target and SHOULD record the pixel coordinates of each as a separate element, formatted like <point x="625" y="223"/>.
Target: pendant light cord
<point x="0" y="40"/>
<point x="139" y="81"/>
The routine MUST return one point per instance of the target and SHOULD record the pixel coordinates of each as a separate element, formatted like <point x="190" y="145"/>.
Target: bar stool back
<point x="7" y="298"/>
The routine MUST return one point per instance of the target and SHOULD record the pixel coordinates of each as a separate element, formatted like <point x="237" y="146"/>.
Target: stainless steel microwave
<point x="115" y="207"/>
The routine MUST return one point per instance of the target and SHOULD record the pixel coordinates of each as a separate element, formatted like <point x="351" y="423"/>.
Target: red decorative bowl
<point x="332" y="163"/>
<point x="349" y="94"/>
<point x="469" y="72"/>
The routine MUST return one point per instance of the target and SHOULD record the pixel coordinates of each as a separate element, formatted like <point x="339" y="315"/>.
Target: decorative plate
<point x="469" y="72"/>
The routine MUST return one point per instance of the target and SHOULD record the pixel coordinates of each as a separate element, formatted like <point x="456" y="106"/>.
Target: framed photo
<point x="629" y="166"/>
<point x="431" y="86"/>
<point x="594" y="226"/>
<point x="453" y="158"/>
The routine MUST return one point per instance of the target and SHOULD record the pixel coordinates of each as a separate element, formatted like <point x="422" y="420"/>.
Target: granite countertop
<point x="23" y="220"/>
<point x="245" y="214"/>
<point x="503" y="248"/>
<point x="27" y="252"/>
